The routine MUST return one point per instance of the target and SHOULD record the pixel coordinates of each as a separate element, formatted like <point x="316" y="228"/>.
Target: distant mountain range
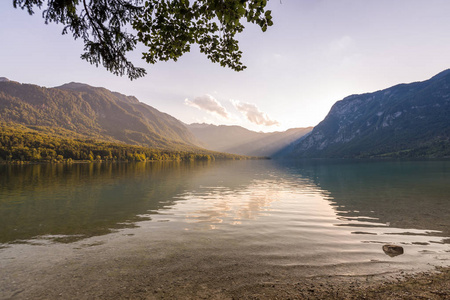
<point x="238" y="140"/>
<point x="78" y="110"/>
<point x="406" y="120"/>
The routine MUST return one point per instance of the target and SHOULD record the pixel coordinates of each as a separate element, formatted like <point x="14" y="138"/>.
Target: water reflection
<point x="375" y="201"/>
<point x="69" y="202"/>
<point x="333" y="216"/>
<point x="401" y="194"/>
<point x="216" y="205"/>
<point x="236" y="193"/>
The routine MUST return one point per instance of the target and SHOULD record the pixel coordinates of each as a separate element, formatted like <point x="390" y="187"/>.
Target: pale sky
<point x="316" y="53"/>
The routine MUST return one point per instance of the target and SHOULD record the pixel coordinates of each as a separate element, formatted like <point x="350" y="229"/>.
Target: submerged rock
<point x="392" y="250"/>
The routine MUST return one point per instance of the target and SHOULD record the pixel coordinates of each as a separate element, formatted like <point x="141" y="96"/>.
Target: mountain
<point x="406" y="120"/>
<point x="238" y="140"/>
<point x="78" y="110"/>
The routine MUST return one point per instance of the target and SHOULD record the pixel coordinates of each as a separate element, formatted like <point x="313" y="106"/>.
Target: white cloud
<point x="210" y="104"/>
<point x="341" y="45"/>
<point x="253" y="114"/>
<point x="277" y="56"/>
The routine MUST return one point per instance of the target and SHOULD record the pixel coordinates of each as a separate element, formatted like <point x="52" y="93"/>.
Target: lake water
<point x="238" y="220"/>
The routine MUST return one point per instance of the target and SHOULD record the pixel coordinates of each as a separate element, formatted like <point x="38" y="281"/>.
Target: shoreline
<point x="434" y="284"/>
<point x="430" y="285"/>
<point x="120" y="267"/>
<point x="123" y="266"/>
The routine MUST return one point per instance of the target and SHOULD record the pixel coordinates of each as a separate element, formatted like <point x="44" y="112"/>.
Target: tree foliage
<point x="167" y="27"/>
<point x="81" y="111"/>
<point x="21" y="144"/>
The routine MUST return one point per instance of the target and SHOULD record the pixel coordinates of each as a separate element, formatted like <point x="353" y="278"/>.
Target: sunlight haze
<point x="316" y="53"/>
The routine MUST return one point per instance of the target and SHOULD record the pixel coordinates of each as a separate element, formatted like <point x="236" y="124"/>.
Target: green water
<point x="71" y="202"/>
<point x="406" y="194"/>
<point x="276" y="213"/>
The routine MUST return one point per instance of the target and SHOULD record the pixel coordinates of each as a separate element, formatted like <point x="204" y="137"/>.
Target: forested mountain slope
<point x="77" y="110"/>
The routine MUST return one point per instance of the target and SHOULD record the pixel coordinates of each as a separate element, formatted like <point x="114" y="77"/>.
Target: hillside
<point x="238" y="140"/>
<point x="78" y="110"/>
<point x="19" y="144"/>
<point x="406" y="120"/>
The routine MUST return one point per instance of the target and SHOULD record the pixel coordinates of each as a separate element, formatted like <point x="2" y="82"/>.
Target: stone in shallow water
<point x="392" y="250"/>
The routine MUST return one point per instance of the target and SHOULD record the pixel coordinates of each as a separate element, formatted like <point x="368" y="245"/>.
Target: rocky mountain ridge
<point x="404" y="120"/>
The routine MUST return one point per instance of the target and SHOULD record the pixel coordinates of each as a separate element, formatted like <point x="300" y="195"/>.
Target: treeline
<point x="438" y="148"/>
<point x="23" y="145"/>
<point x="82" y="111"/>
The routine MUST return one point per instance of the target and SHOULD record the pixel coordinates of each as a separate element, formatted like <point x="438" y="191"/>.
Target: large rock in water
<point x="392" y="250"/>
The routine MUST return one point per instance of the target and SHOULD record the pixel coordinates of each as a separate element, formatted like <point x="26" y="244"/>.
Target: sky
<point x="316" y="53"/>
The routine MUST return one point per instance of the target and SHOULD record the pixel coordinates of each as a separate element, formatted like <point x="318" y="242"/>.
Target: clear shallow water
<point x="304" y="218"/>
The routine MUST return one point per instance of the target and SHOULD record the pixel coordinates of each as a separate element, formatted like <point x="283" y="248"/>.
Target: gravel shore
<point x="426" y="285"/>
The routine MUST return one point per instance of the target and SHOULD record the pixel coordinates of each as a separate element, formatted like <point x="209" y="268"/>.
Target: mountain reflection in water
<point x="282" y="213"/>
<point x="75" y="201"/>
<point x="404" y="194"/>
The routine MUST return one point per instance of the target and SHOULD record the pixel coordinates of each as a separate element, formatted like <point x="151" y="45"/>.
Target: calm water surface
<point x="311" y="217"/>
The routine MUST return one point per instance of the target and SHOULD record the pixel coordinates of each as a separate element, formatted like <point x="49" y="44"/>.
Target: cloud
<point x="343" y="44"/>
<point x="209" y="104"/>
<point x="253" y="114"/>
<point x="342" y="49"/>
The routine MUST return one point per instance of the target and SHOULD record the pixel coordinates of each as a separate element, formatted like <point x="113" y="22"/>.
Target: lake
<point x="212" y="224"/>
